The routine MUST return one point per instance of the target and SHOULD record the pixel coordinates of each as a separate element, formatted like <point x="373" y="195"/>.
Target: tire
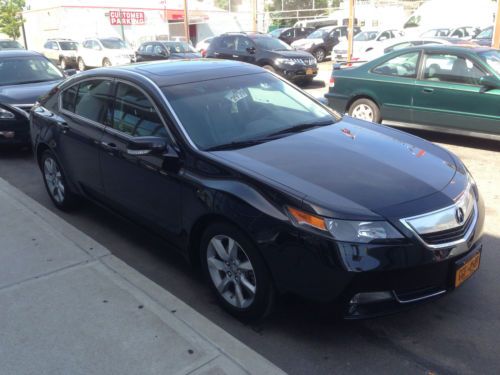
<point x="55" y="183"/>
<point x="62" y="63"/>
<point x="81" y="64"/>
<point x="319" y="54"/>
<point x="233" y="275"/>
<point x="365" y="109"/>
<point x="106" y="63"/>
<point x="270" y="68"/>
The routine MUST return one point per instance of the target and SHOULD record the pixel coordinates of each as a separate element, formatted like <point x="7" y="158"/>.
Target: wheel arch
<point x="360" y="96"/>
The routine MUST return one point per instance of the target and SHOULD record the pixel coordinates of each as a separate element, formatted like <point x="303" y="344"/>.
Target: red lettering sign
<point x="126" y="18"/>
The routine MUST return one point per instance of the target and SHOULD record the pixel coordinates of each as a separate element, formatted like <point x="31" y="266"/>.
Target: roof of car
<point x="17" y="53"/>
<point x="175" y="72"/>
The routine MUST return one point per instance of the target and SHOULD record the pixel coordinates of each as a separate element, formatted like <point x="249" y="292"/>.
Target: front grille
<point x="449" y="235"/>
<point x="442" y="228"/>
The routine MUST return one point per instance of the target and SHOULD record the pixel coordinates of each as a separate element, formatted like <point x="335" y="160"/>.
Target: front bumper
<point x="322" y="269"/>
<point x="14" y="132"/>
<point x="298" y="72"/>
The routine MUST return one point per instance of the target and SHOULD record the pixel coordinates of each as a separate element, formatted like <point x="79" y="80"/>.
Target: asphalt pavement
<point x="455" y="334"/>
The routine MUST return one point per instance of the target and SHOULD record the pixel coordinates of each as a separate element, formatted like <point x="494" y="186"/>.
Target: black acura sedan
<point x="266" y="188"/>
<point x="24" y="76"/>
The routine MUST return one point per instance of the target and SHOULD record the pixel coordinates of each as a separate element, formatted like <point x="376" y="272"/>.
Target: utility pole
<point x="121" y="24"/>
<point x="496" y="35"/>
<point x="254" y="16"/>
<point x="350" y="30"/>
<point x="186" y="21"/>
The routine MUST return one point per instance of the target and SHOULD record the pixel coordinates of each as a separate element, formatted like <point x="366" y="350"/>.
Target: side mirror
<point x="146" y="146"/>
<point x="489" y="83"/>
<point x="70" y="72"/>
<point x="251" y="50"/>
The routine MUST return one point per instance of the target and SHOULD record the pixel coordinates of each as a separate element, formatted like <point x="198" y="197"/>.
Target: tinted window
<point x="149" y="48"/>
<point x="241" y="108"/>
<point x="135" y="115"/>
<point x="69" y="46"/>
<point x="399" y="66"/>
<point x="178" y="47"/>
<point x="93" y="101"/>
<point x="158" y="50"/>
<point x="228" y="42"/>
<point x="87" y="44"/>
<point x="113" y="43"/>
<point x="69" y="98"/>
<point x="485" y="34"/>
<point x="242" y="43"/>
<point x="451" y="68"/>
<point x="10" y="44"/>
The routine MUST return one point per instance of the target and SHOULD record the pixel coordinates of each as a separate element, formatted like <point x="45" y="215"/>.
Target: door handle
<point x="216" y="53"/>
<point x="235" y="56"/>
<point x="109" y="145"/>
<point x="63" y="125"/>
<point x="428" y="90"/>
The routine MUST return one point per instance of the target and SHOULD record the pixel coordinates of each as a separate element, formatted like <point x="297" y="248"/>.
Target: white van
<point x="435" y="14"/>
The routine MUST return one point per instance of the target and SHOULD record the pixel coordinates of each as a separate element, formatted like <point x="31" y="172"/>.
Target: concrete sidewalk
<point x="67" y="306"/>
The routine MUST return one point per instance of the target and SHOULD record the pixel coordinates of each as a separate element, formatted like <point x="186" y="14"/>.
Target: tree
<point x="11" y="18"/>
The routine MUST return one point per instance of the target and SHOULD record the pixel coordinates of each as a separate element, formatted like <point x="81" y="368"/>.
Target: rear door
<point x="85" y="109"/>
<point x="448" y="94"/>
<point x="141" y="54"/>
<point x="139" y="184"/>
<point x="227" y="48"/>
<point x="243" y="49"/>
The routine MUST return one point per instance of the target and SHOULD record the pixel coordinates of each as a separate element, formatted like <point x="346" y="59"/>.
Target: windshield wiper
<point x="301" y="127"/>
<point x="237" y="144"/>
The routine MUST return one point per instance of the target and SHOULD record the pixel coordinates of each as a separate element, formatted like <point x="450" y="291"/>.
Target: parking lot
<point x="456" y="334"/>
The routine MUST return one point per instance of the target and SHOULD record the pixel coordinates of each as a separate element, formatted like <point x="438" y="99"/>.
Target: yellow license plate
<point x="466" y="270"/>
<point x="309" y="72"/>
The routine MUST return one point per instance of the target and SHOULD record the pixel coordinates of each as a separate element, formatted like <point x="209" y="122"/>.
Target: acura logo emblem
<point x="459" y="215"/>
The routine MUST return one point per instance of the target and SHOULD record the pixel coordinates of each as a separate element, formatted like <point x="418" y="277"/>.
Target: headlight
<point x="361" y="231"/>
<point x="6" y="115"/>
<point x="346" y="230"/>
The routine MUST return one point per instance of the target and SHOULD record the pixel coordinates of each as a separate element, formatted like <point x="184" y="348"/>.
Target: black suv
<point x="266" y="51"/>
<point x="321" y="41"/>
<point x="291" y="34"/>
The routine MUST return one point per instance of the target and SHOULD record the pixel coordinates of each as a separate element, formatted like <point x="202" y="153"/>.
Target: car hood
<point x="349" y="168"/>
<point x="26" y="93"/>
<point x="305" y="42"/>
<point x="185" y="55"/>
<point x="293" y="54"/>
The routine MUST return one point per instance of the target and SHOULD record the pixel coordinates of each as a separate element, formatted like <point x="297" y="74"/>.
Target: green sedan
<point x="454" y="89"/>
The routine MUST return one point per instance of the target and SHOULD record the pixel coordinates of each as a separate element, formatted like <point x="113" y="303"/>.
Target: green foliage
<point x="223" y="4"/>
<point x="11" y="18"/>
<point x="286" y="19"/>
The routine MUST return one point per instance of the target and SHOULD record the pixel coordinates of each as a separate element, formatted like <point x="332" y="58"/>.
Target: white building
<point x="142" y="21"/>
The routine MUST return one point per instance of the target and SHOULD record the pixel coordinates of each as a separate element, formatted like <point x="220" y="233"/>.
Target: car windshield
<point x="22" y="70"/>
<point x="485" y="34"/>
<point x="276" y="33"/>
<point x="247" y="108"/>
<point x="271" y="44"/>
<point x="492" y="58"/>
<point x="366" y="36"/>
<point x="10" y="44"/>
<point x="113" y="43"/>
<point x="178" y="47"/>
<point x="69" y="46"/>
<point x="318" y="34"/>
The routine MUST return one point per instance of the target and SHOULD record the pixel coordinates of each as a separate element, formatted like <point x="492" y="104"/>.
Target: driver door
<point x="244" y="48"/>
<point x="139" y="184"/>
<point x="448" y="94"/>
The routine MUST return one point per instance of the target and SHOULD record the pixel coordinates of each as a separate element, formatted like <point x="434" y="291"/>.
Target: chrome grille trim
<point x="443" y="221"/>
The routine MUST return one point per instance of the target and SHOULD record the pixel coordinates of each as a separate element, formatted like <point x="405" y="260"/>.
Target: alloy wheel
<point x="231" y="271"/>
<point x="363" y="112"/>
<point x="319" y="55"/>
<point x="54" y="179"/>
